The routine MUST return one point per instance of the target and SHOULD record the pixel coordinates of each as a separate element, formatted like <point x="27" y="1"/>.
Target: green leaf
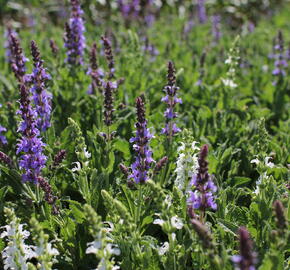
<point x="240" y="180"/>
<point x="228" y="226"/>
<point x="122" y="146"/>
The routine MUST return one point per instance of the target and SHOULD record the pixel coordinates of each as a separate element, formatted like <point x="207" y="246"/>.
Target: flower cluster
<point x="43" y="251"/>
<point x="96" y="73"/>
<point x="232" y="61"/>
<point x="280" y="57"/>
<point x="3" y="139"/>
<point x="143" y="158"/>
<point x="201" y="11"/>
<point x="33" y="159"/>
<point x="187" y="162"/>
<point x="203" y="186"/>
<point x="129" y="9"/>
<point x="216" y="31"/>
<point x="109" y="57"/>
<point x="171" y="100"/>
<point x="150" y="49"/>
<point x="17" y="252"/>
<point x="246" y="259"/>
<point x="74" y="35"/>
<point x="101" y="247"/>
<point x="41" y="98"/>
<point x="8" y="43"/>
<point x="18" y="59"/>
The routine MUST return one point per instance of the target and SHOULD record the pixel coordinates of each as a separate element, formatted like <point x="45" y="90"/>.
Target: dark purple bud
<point x="59" y="157"/>
<point x="246" y="259"/>
<point x="124" y="169"/>
<point x="202" y="233"/>
<point x="108" y="104"/>
<point x="18" y="59"/>
<point x="45" y="186"/>
<point x="53" y="47"/>
<point x="160" y="164"/>
<point x="280" y="215"/>
<point x="93" y="57"/>
<point x="5" y="159"/>
<point x="171" y="74"/>
<point x="109" y="57"/>
<point x="190" y="212"/>
<point x="201" y="68"/>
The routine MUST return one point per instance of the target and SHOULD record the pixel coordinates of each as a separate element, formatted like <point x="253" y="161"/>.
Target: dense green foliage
<point x="238" y="124"/>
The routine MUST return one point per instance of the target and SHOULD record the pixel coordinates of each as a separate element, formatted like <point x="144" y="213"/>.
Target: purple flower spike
<point x="18" y="59"/>
<point x="74" y="35"/>
<point x="8" y="44"/>
<point x="109" y="57"/>
<point x="171" y="100"/>
<point x="129" y="9"/>
<point x="30" y="145"/>
<point x="202" y="196"/>
<point x="143" y="157"/>
<point x="280" y="57"/>
<point x="246" y="259"/>
<point x="201" y="11"/>
<point x="96" y="73"/>
<point x="32" y="160"/>
<point x="108" y="104"/>
<point x="216" y="25"/>
<point x="41" y="98"/>
<point x="3" y="139"/>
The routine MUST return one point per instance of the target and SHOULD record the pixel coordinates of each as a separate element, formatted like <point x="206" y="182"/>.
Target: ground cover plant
<point x="144" y="135"/>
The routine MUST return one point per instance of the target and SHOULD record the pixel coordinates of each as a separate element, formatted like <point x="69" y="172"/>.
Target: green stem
<point x="108" y="149"/>
<point x="139" y="201"/>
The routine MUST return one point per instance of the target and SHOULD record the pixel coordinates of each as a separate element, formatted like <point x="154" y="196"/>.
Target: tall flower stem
<point x="108" y="121"/>
<point x="139" y="201"/>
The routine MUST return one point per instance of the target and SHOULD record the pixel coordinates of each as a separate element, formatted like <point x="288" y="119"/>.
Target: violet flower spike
<point x="18" y="59"/>
<point x="94" y="71"/>
<point x="171" y="100"/>
<point x="216" y="25"/>
<point x="202" y="196"/>
<point x="129" y="9"/>
<point x="201" y="11"/>
<point x="143" y="156"/>
<point x="41" y="98"/>
<point x="74" y="35"/>
<point x="246" y="260"/>
<point x="108" y="104"/>
<point x="3" y="139"/>
<point x="32" y="160"/>
<point x="8" y="44"/>
<point x="109" y="57"/>
<point x="280" y="57"/>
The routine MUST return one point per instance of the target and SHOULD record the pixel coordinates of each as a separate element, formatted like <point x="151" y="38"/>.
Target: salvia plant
<point x="141" y="134"/>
